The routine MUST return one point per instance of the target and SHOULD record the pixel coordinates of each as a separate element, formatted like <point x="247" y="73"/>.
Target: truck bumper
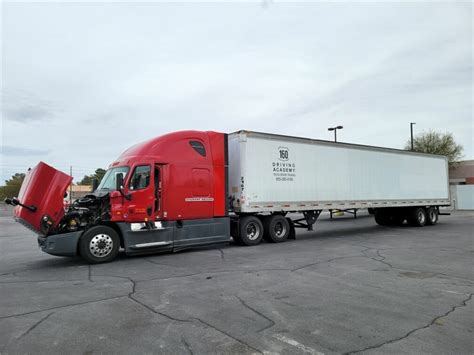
<point x="64" y="244"/>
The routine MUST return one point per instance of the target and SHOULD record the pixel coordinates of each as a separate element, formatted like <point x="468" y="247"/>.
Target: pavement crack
<point x="187" y="346"/>
<point x="60" y="307"/>
<point x="381" y="259"/>
<point x="38" y="281"/>
<point x="30" y="329"/>
<point x="189" y="320"/>
<point x="228" y="334"/>
<point x="222" y="254"/>
<point x="433" y="321"/>
<point x="271" y="322"/>
<point x="326" y="261"/>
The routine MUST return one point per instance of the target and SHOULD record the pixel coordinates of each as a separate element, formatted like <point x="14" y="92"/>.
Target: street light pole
<point x="335" y="131"/>
<point x="411" y="132"/>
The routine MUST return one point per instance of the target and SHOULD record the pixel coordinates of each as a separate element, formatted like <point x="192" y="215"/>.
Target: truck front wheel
<point x="251" y="230"/>
<point x="277" y="228"/>
<point x="99" y="244"/>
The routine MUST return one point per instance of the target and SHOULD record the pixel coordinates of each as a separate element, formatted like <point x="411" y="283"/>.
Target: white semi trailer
<point x="273" y="175"/>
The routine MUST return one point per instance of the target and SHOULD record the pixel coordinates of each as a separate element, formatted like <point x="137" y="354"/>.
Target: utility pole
<point x="411" y="131"/>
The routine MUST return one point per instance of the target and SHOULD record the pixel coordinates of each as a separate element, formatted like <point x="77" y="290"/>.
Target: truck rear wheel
<point x="251" y="230"/>
<point x="417" y="217"/>
<point x="277" y="228"/>
<point x="99" y="244"/>
<point x="432" y="216"/>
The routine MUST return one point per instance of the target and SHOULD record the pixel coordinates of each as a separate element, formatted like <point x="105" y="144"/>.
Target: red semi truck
<point x="192" y="188"/>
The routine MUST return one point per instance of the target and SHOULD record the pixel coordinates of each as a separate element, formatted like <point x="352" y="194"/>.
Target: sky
<point x="83" y="81"/>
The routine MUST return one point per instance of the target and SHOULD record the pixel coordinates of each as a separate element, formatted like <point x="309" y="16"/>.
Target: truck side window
<point x="198" y="147"/>
<point x="140" y="178"/>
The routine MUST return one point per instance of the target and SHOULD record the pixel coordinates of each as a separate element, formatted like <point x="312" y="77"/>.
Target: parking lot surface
<point x="349" y="286"/>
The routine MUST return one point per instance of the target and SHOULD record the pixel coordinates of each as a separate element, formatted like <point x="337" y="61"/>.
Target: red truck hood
<point x="44" y="188"/>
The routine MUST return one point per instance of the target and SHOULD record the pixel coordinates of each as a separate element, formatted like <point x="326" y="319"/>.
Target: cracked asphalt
<point x="347" y="287"/>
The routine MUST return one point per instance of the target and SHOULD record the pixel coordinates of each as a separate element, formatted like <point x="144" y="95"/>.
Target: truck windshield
<point x="108" y="181"/>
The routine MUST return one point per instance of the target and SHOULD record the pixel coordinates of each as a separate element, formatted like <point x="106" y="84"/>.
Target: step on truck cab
<point x="176" y="191"/>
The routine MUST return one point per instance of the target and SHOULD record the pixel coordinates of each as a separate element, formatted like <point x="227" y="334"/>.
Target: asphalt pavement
<point x="348" y="287"/>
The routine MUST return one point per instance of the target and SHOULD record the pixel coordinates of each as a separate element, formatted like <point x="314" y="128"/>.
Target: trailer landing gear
<point x="310" y="217"/>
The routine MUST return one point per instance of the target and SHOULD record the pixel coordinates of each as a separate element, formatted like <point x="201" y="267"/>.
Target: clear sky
<point x="82" y="81"/>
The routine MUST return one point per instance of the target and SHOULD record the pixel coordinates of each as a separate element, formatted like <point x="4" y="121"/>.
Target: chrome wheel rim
<point x="433" y="216"/>
<point x="253" y="231"/>
<point x="101" y="245"/>
<point x="279" y="229"/>
<point x="421" y="217"/>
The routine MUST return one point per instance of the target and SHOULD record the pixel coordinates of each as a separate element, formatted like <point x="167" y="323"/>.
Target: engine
<point x="85" y="212"/>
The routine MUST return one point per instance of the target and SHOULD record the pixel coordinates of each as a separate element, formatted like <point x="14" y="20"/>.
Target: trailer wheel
<point x="99" y="244"/>
<point x="417" y="217"/>
<point x="251" y="230"/>
<point x="277" y="228"/>
<point x="432" y="216"/>
<point x="382" y="218"/>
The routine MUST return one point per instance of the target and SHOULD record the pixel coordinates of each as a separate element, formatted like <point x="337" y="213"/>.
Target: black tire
<point x="431" y="216"/>
<point x="417" y="217"/>
<point x="371" y="211"/>
<point x="99" y="244"/>
<point x="382" y="218"/>
<point x="398" y="220"/>
<point x="251" y="231"/>
<point x="398" y="216"/>
<point x="276" y="228"/>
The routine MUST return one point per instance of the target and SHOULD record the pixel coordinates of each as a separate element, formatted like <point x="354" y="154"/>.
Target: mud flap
<point x="292" y="234"/>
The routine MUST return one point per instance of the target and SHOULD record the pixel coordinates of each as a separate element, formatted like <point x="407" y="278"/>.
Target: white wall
<point x="463" y="197"/>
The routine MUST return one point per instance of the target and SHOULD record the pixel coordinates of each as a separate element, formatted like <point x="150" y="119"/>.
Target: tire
<point x="99" y="244"/>
<point x="382" y="218"/>
<point x="432" y="216"/>
<point x="251" y="231"/>
<point x="417" y="217"/>
<point x="398" y="217"/>
<point x="276" y="228"/>
<point x="371" y="211"/>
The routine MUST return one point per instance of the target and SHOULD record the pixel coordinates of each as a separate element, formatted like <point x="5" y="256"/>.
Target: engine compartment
<point x="82" y="214"/>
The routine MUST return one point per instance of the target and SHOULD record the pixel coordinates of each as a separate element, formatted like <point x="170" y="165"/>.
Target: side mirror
<point x="119" y="182"/>
<point x="95" y="184"/>
<point x="119" y="186"/>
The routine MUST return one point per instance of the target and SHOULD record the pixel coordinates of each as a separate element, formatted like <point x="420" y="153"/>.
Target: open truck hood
<point x="43" y="191"/>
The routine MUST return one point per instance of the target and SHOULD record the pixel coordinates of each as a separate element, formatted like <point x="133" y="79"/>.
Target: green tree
<point x="12" y="186"/>
<point x="87" y="179"/>
<point x="437" y="143"/>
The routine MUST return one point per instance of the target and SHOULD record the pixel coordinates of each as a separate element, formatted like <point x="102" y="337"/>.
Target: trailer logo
<point x="284" y="170"/>
<point x="283" y="153"/>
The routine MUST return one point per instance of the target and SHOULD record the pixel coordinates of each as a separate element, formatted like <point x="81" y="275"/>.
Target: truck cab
<point x="164" y="194"/>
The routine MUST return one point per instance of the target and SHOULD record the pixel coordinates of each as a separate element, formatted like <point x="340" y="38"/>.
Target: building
<point x="462" y="173"/>
<point x="461" y="179"/>
<point x="78" y="191"/>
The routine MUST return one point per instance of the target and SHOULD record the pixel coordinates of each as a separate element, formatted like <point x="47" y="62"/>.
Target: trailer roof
<point x="331" y="143"/>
